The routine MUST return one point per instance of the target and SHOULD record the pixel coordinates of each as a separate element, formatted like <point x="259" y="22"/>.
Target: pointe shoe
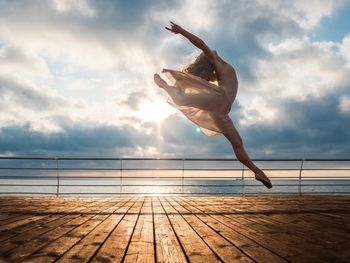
<point x="260" y="176"/>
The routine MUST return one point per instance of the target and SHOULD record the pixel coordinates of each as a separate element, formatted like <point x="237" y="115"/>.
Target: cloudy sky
<point x="76" y="77"/>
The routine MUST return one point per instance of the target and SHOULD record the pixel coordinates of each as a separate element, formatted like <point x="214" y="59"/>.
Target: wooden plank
<point x="314" y="231"/>
<point x="15" y="221"/>
<point x="7" y="234"/>
<point x="86" y="248"/>
<point x="246" y="244"/>
<point x="32" y="215"/>
<point x="34" y="240"/>
<point x="224" y="249"/>
<point x="114" y="248"/>
<point x="167" y="246"/>
<point x="57" y="248"/>
<point x="344" y="216"/>
<point x="141" y="247"/>
<point x="23" y="220"/>
<point x="262" y="205"/>
<point x="38" y="221"/>
<point x="22" y="239"/>
<point x="6" y="216"/>
<point x="278" y="242"/>
<point x="196" y="250"/>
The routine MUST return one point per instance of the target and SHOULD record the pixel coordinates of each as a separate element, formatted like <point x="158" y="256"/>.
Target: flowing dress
<point x="202" y="102"/>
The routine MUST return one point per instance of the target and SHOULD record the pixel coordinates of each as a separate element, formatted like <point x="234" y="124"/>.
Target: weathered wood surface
<point x="175" y="229"/>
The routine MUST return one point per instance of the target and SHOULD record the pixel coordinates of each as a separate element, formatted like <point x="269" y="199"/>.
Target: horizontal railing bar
<point x="159" y="159"/>
<point x="28" y="193"/>
<point x="313" y="169"/>
<point x="124" y="185"/>
<point x="117" y="177"/>
<point x="30" y="177"/>
<point x="53" y="177"/>
<point x="180" y="185"/>
<point x="166" y="193"/>
<point x="307" y="185"/>
<point x="295" y="193"/>
<point x="326" y="179"/>
<point x="166" y="169"/>
<point x="180" y="193"/>
<point x="171" y="193"/>
<point x="294" y="185"/>
<point x="131" y="193"/>
<point x="44" y="185"/>
<point x="176" y="193"/>
<point x="118" y="169"/>
<point x="320" y="193"/>
<point x="116" y="193"/>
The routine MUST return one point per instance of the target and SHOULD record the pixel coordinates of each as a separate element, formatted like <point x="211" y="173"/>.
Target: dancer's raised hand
<point x="176" y="29"/>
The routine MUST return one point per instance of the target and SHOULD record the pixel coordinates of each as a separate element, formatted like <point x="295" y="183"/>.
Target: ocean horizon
<point x="158" y="176"/>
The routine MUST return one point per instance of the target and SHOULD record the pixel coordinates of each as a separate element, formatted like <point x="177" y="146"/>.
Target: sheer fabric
<point x="202" y="102"/>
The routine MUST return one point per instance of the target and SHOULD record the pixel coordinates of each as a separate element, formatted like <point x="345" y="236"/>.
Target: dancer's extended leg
<point x="174" y="92"/>
<point x="237" y="145"/>
<point x="201" y="101"/>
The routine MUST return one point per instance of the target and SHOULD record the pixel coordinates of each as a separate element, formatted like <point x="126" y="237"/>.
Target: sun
<point x="155" y="111"/>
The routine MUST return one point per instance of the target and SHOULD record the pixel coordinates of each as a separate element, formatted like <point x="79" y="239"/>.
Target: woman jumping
<point x="204" y="102"/>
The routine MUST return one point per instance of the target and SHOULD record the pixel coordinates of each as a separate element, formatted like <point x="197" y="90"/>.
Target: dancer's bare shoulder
<point x="225" y="72"/>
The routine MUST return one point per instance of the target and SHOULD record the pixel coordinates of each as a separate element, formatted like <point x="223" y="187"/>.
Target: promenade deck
<point x="175" y="229"/>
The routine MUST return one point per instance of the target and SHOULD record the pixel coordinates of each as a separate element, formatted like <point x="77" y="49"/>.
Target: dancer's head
<point x="202" y="67"/>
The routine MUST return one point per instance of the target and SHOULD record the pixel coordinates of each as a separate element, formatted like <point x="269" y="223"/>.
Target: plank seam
<point x="177" y="237"/>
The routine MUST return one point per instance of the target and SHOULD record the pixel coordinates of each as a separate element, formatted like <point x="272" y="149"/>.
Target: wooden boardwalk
<point x="175" y="229"/>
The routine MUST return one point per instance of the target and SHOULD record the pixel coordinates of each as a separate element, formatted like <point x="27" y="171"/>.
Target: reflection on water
<point x="173" y="186"/>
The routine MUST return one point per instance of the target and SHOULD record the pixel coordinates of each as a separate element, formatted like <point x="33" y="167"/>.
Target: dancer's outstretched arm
<point x="199" y="43"/>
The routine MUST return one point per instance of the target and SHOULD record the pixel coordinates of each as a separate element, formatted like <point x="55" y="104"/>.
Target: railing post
<point x="121" y="176"/>
<point x="300" y="175"/>
<point x="183" y="176"/>
<point x="58" y="178"/>
<point x="242" y="184"/>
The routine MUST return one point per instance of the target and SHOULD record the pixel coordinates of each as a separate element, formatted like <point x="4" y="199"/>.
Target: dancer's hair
<point x="202" y="68"/>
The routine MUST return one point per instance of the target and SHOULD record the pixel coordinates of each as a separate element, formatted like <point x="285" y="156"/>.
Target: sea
<point x="170" y="177"/>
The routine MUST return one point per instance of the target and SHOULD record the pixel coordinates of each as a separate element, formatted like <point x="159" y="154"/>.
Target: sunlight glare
<point x="155" y="111"/>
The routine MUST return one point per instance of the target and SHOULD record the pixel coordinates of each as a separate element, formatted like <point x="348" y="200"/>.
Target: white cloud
<point x="294" y="70"/>
<point x="301" y="68"/>
<point x="195" y="15"/>
<point x="314" y="10"/>
<point x="258" y="110"/>
<point x="307" y="14"/>
<point x="76" y="7"/>
<point x="14" y="59"/>
<point x="345" y="49"/>
<point x="25" y="102"/>
<point x="344" y="104"/>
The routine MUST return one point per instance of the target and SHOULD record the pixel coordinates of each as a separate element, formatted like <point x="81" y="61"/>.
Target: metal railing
<point x="106" y="176"/>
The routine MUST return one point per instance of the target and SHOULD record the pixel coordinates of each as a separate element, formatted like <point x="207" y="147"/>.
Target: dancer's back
<point x="226" y="76"/>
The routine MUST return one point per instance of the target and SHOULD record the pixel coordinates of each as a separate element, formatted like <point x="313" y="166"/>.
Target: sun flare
<point x="156" y="110"/>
